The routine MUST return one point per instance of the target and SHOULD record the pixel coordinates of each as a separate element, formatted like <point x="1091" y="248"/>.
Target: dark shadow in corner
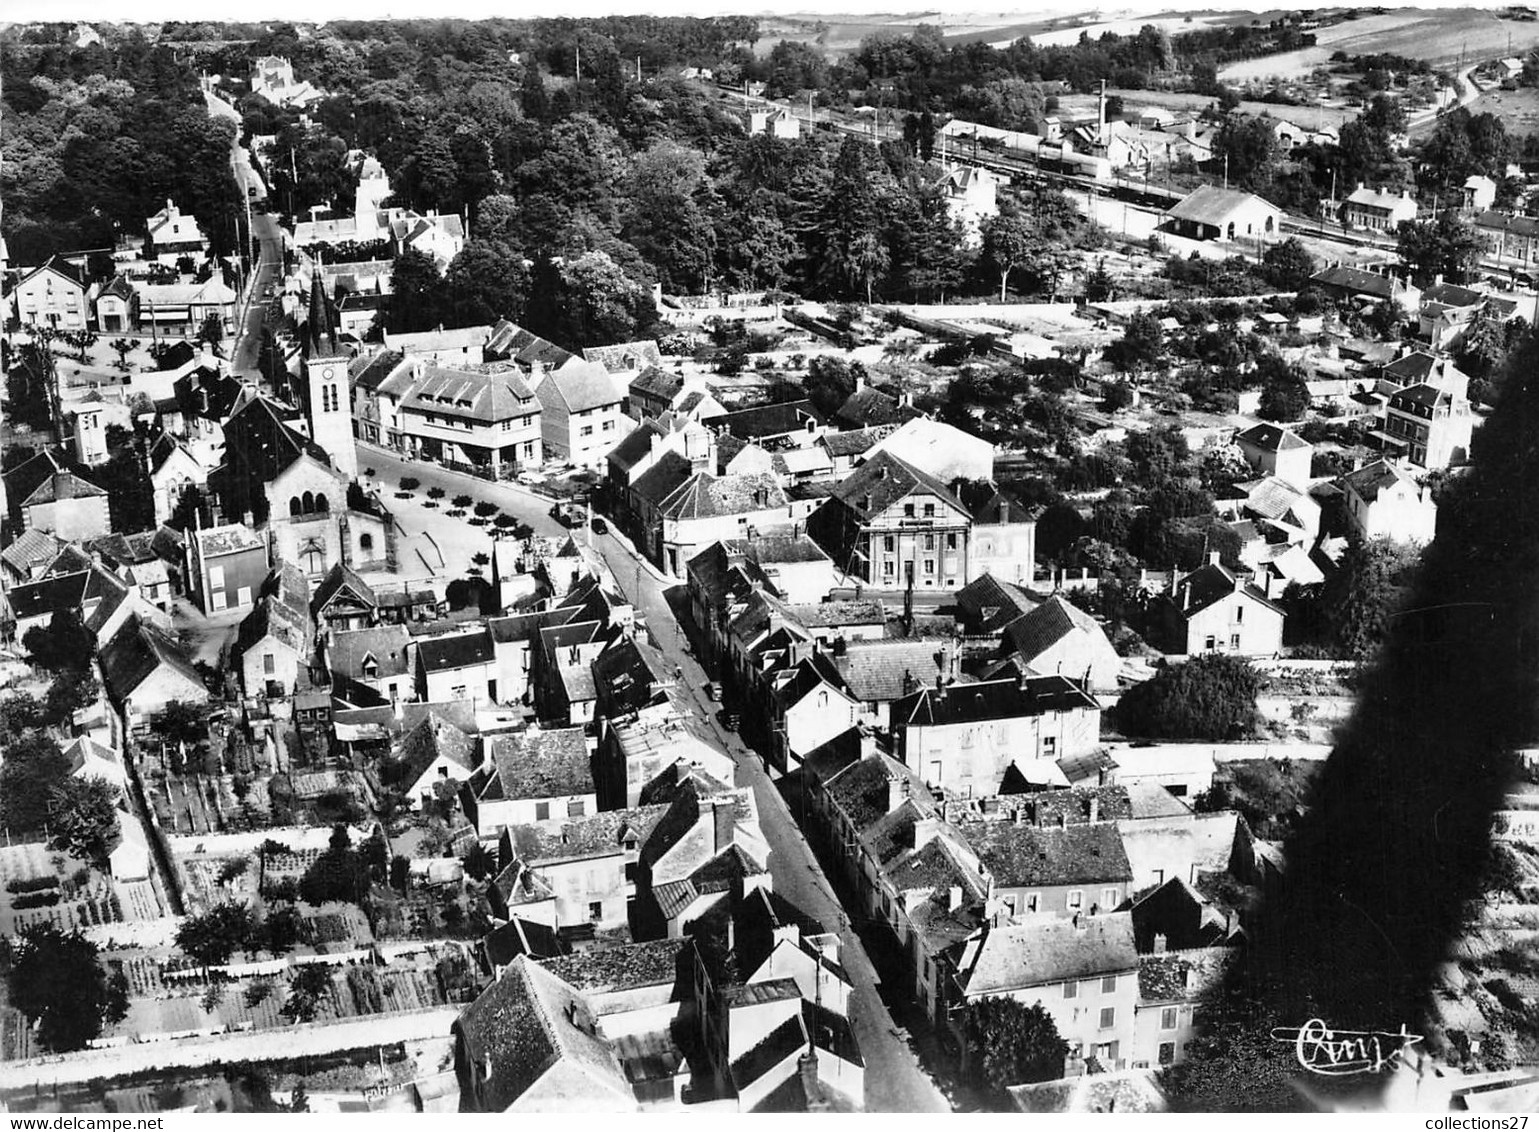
<point x="1393" y="858"/>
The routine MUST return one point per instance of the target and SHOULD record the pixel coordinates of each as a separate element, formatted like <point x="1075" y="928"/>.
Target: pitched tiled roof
<point x="33" y="548"/>
<point x="430" y="738"/>
<point x="1357" y="280"/>
<point x="630" y="451"/>
<point x="282" y="610"/>
<point x="874" y="671"/>
<point x="870" y="406"/>
<point x="1209" y="584"/>
<point x="368" y="370"/>
<point x="538" y="763"/>
<point x="1451" y="294"/>
<point x="385" y="645"/>
<point x="463" y="650"/>
<point x="1023" y="856"/>
<point x="520" y="937"/>
<point x="49" y="595"/>
<point x="1272" y="438"/>
<point x="1373" y="478"/>
<point x="526" y="1025"/>
<point x="615" y="358"/>
<point x="136" y="651"/>
<point x="663" y="478"/>
<point x="1181" y="978"/>
<point x="885" y="479"/>
<point x="1209" y="204"/>
<point x="1032" y="635"/>
<point x="992" y="604"/>
<point x="46" y="478"/>
<point x="342" y="582"/>
<point x="579" y="386"/>
<point x="1045" y="949"/>
<point x="705" y="496"/>
<point x="1423" y="395"/>
<point x="628" y="966"/>
<point x="777" y="419"/>
<point x="600" y="834"/>
<point x="656" y="383"/>
<point x="853" y="442"/>
<point x="481" y="394"/>
<point x="993" y="699"/>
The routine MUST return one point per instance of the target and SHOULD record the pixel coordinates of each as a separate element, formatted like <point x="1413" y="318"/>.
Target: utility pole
<point x="1226" y="170"/>
<point x="579" y="62"/>
<point x="638" y="70"/>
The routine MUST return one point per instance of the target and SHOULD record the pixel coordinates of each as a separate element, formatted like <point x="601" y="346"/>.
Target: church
<point x="290" y="466"/>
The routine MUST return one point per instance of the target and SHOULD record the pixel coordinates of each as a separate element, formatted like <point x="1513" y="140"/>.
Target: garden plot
<point x="42" y="887"/>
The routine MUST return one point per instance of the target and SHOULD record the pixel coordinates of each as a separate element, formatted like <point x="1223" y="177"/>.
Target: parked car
<point x="599" y="526"/>
<point x="561" y="513"/>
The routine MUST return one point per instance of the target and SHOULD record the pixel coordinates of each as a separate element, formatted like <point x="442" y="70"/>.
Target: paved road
<point x="895" y="1081"/>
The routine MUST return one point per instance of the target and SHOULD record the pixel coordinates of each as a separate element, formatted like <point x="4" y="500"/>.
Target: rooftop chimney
<point x="1159" y="943"/>
<point x="1214" y="557"/>
<point x="725" y="820"/>
<point x="954" y="898"/>
<point x="897" y="792"/>
<point x="1095" y="808"/>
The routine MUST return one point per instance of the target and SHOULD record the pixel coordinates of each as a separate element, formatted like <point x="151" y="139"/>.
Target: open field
<point x="1439" y="37"/>
<point x="1517" y="109"/>
<point x="1077" y="107"/>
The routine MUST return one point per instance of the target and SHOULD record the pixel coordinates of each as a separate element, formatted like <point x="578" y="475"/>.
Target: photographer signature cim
<point x="1342" y="1053"/>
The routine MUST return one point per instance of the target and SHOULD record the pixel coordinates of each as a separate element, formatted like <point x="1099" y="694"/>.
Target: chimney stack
<point x="1159" y="943"/>
<point x="725" y="821"/>
<point x="1095" y="808"/>
<point x="954" y="898"/>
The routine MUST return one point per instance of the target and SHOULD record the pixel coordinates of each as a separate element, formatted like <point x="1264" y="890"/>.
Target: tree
<point x="1268" y="793"/>
<point x="32" y="767"/>
<point x="414" y="282"/>
<point x="1288" y="266"/>
<point x="1141" y="346"/>
<point x="182" y="722"/>
<point x="69" y="692"/>
<point x="310" y="983"/>
<point x="1285" y="398"/>
<point x="1007" y="244"/>
<point x="1363" y="593"/>
<point x="1445" y="245"/>
<point x="83" y="815"/>
<point x="1009" y="1043"/>
<point x="299" y="1100"/>
<point x="64" y="645"/>
<point x="485" y="282"/>
<point x="57" y="982"/>
<point x="122" y="347"/>
<point x="211" y="938"/>
<point x="1247" y="147"/>
<point x="479" y="863"/>
<point x="1210" y="697"/>
<point x="1233" y="1063"/>
<point x="400" y="873"/>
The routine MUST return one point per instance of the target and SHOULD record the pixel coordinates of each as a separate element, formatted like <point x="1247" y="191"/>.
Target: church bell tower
<point x="328" y="385"/>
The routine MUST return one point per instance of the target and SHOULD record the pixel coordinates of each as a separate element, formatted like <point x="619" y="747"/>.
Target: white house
<point x="1382" y="501"/>
<point x="533" y="777"/>
<point x="1277" y="451"/>
<point x="52" y="295"/>
<point x="580" y="415"/>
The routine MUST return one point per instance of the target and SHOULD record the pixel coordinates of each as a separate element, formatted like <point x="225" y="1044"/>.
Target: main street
<point x="895" y="1080"/>
<point x="268" y="237"/>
